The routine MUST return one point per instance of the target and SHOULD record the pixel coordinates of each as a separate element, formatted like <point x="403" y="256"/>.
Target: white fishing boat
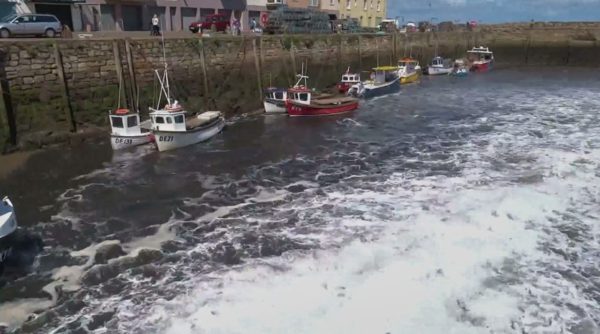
<point x="274" y="101"/>
<point x="8" y="227"/>
<point x="409" y="70"/>
<point x="126" y="130"/>
<point x="173" y="128"/>
<point x="439" y="66"/>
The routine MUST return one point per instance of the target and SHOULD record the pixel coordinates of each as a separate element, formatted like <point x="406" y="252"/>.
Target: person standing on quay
<point x="155" y="27"/>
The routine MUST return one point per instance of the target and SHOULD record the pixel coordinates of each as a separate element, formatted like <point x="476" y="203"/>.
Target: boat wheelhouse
<point x="348" y="80"/>
<point x="384" y="80"/>
<point x="439" y="66"/>
<point x="481" y="59"/>
<point x="274" y="100"/>
<point x="408" y="70"/>
<point x="126" y="130"/>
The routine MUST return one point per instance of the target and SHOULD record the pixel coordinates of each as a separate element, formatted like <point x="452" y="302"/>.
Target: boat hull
<point x="170" y="140"/>
<point x="343" y="87"/>
<point x="482" y="67"/>
<point x="438" y="70"/>
<point x="297" y="110"/>
<point x="8" y="228"/>
<point x="274" y="107"/>
<point x="124" y="142"/>
<point x="413" y="77"/>
<point x="369" y="91"/>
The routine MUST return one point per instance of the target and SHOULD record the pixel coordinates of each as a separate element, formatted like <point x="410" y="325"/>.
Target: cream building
<point x="369" y="12"/>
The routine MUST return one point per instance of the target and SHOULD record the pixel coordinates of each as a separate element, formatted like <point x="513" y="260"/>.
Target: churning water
<point x="455" y="206"/>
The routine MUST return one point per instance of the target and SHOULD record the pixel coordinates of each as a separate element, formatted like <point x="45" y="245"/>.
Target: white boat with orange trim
<point x="8" y="227"/>
<point x="173" y="128"/>
<point x="127" y="130"/>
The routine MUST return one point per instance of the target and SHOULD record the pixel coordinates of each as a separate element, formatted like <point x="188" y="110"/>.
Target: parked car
<point x="218" y="22"/>
<point x="32" y="25"/>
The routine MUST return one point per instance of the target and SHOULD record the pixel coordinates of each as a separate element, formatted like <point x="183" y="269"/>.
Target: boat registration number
<point x="165" y="138"/>
<point x="125" y="141"/>
<point x="4" y="254"/>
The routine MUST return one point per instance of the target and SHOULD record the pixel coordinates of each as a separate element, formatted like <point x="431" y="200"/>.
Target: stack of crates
<point x="287" y="20"/>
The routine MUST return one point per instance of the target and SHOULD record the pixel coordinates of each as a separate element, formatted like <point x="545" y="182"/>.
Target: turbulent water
<point x="464" y="205"/>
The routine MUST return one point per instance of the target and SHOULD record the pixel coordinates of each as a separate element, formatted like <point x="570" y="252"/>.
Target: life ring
<point x="264" y="17"/>
<point x="121" y="111"/>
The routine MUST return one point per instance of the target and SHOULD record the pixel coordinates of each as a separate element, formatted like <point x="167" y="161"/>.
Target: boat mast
<point x="302" y="77"/>
<point x="164" y="80"/>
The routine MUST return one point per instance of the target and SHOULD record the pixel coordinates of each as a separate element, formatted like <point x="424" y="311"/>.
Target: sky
<point x="494" y="11"/>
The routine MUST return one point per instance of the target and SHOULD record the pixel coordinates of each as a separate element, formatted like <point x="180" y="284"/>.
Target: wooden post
<point x="340" y="52"/>
<point x="293" y="56"/>
<point x="133" y="86"/>
<point x="119" y="69"/>
<point x="65" y="89"/>
<point x="394" y="49"/>
<point x="257" y="66"/>
<point x="204" y="72"/>
<point x="377" y="49"/>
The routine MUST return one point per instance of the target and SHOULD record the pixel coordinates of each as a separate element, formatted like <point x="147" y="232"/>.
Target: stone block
<point x="28" y="80"/>
<point x="50" y="76"/>
<point x="23" y="54"/>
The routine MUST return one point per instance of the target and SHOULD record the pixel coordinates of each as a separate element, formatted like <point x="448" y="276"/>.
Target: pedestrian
<point x="236" y="25"/>
<point x="155" y="26"/>
<point x="253" y="25"/>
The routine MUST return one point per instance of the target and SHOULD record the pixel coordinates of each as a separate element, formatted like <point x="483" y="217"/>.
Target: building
<point x="332" y="7"/>
<point x="136" y="15"/>
<point x="369" y="13"/>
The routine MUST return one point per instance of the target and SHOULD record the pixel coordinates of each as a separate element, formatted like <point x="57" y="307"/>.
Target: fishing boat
<point x="459" y="69"/>
<point x="348" y="80"/>
<point x="274" y="100"/>
<point x="301" y="101"/>
<point x="126" y="130"/>
<point x="384" y="80"/>
<point x="439" y="66"/>
<point x="408" y="70"/>
<point x="481" y="58"/>
<point x="8" y="227"/>
<point x="173" y="128"/>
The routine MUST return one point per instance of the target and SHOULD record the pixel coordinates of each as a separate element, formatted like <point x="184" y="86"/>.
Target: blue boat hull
<point x="379" y="91"/>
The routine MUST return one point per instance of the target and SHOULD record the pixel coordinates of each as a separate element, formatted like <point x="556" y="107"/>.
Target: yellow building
<point x="369" y="12"/>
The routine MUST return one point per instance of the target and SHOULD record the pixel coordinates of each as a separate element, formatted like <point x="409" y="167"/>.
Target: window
<point x="169" y="120"/>
<point x="179" y="119"/>
<point x="331" y="2"/>
<point x="364" y="4"/>
<point x="117" y="122"/>
<point x="45" y="18"/>
<point x="354" y="3"/>
<point x="132" y="121"/>
<point x="25" y="19"/>
<point x="303" y="97"/>
<point x="348" y="4"/>
<point x="345" y="78"/>
<point x="314" y="3"/>
<point x="159" y="120"/>
<point x="279" y="95"/>
<point x="379" y="6"/>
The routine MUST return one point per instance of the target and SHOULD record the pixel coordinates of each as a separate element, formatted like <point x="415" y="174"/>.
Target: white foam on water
<point x="15" y="312"/>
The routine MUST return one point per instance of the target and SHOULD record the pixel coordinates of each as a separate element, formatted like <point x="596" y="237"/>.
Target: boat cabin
<point x="407" y="62"/>
<point x="383" y="74"/>
<point x="481" y="53"/>
<point x="170" y="118"/>
<point x="351" y="78"/>
<point x="278" y="94"/>
<point x="124" y="122"/>
<point x="300" y="95"/>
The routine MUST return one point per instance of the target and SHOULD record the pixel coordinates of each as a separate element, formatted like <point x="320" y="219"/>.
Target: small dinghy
<point x="274" y="101"/>
<point x="459" y="69"/>
<point x="126" y="130"/>
<point x="8" y="226"/>
<point x="409" y="70"/>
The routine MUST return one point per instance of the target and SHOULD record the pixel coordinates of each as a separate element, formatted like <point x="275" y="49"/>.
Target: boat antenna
<point x="137" y="100"/>
<point x="120" y="86"/>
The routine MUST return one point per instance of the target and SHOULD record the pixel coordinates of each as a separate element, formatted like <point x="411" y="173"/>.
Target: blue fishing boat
<point x="384" y="80"/>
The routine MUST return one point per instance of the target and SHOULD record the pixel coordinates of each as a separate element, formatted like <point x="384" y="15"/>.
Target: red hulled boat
<point x="481" y="58"/>
<point x="348" y="80"/>
<point x="301" y="101"/>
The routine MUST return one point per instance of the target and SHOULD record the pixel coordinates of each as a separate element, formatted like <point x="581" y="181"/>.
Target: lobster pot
<point x="298" y="21"/>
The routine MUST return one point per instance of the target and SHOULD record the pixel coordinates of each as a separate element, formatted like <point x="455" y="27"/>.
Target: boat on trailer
<point x="301" y="102"/>
<point x="439" y="66"/>
<point x="409" y="70"/>
<point x="8" y="227"/>
<point x="348" y="80"/>
<point x="481" y="58"/>
<point x="384" y="80"/>
<point x="126" y="130"/>
<point x="274" y="100"/>
<point x="173" y="128"/>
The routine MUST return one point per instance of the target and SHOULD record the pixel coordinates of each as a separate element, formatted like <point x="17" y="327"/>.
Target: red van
<point x="219" y="21"/>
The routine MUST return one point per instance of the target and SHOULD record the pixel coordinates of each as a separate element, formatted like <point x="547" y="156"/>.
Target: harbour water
<point x="458" y="205"/>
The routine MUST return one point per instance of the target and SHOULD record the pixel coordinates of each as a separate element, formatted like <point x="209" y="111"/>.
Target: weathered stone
<point x="28" y="80"/>
<point x="107" y="252"/>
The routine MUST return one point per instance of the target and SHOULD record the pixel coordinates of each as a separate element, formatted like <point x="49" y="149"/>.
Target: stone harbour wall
<point x="53" y="90"/>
